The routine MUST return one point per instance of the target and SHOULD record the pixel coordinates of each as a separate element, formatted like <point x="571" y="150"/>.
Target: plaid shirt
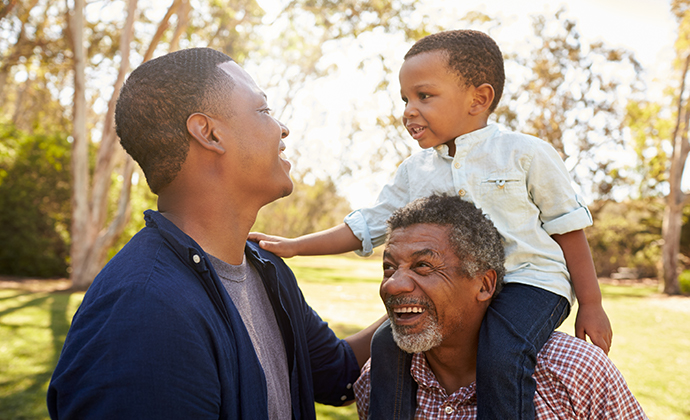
<point x="575" y="380"/>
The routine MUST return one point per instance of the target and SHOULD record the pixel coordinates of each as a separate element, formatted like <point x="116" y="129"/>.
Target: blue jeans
<point x="517" y="324"/>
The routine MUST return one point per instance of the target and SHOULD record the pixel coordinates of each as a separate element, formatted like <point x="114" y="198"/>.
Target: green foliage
<point x="626" y="235"/>
<point x="684" y="280"/>
<point x="651" y="138"/>
<point x="308" y="209"/>
<point x="35" y="197"/>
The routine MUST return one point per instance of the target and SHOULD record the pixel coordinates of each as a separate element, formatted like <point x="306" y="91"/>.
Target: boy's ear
<point x="488" y="286"/>
<point x="482" y="99"/>
<point x="201" y="127"/>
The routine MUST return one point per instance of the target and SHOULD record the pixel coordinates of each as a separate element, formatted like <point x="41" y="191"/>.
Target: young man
<point x="188" y="320"/>
<point x="443" y="265"/>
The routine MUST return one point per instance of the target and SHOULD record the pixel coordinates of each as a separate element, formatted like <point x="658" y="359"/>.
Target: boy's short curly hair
<point x="156" y="101"/>
<point x="472" y="55"/>
<point x="472" y="235"/>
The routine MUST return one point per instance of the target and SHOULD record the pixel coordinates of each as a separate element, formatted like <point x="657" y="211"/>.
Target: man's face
<point x="426" y="298"/>
<point x="255" y="145"/>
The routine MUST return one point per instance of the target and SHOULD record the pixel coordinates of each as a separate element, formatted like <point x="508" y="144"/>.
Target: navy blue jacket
<point x="158" y="337"/>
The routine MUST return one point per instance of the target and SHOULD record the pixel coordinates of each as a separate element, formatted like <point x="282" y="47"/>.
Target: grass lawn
<point x="651" y="344"/>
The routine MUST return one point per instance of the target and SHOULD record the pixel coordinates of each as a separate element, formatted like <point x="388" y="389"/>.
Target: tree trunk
<point x="90" y="237"/>
<point x="89" y="219"/>
<point x="675" y="201"/>
<point x="80" y="151"/>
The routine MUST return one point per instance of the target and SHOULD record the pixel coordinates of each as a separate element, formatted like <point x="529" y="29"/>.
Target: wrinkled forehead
<point x="417" y="238"/>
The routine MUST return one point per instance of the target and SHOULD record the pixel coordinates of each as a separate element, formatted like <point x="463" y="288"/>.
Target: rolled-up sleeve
<point x="369" y="224"/>
<point x="562" y="210"/>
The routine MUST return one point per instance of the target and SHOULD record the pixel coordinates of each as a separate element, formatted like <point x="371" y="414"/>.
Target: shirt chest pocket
<point x="507" y="191"/>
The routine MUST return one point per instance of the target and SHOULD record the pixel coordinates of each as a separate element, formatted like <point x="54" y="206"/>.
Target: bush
<point x="626" y="235"/>
<point x="35" y="193"/>
<point x="684" y="280"/>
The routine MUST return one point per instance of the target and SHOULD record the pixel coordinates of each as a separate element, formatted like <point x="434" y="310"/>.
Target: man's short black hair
<point x="156" y="101"/>
<point x="472" y="55"/>
<point x="472" y="235"/>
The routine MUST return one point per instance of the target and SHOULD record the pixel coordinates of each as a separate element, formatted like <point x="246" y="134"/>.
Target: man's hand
<point x="282" y="247"/>
<point x="592" y="321"/>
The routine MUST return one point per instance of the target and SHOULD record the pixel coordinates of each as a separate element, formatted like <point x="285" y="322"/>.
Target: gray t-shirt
<point x="247" y="291"/>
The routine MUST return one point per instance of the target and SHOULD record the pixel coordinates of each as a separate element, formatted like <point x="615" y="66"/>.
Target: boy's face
<point x="437" y="105"/>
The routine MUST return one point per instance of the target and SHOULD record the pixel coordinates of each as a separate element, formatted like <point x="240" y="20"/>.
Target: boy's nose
<point x="410" y="111"/>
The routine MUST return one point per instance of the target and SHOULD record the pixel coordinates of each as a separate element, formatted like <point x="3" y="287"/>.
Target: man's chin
<point x="425" y="340"/>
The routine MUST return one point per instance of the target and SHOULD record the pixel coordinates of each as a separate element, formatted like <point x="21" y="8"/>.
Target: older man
<point x="443" y="263"/>
<point x="189" y="320"/>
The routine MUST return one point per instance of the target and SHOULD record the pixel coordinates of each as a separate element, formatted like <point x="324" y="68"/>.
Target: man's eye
<point x="423" y="267"/>
<point x="267" y="111"/>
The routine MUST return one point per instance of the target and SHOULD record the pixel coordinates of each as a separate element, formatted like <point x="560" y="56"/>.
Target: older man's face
<point x="426" y="298"/>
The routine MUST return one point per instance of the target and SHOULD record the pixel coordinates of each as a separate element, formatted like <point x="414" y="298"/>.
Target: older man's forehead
<point x="419" y="239"/>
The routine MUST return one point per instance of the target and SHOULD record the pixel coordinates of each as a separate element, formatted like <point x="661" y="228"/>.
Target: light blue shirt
<point x="519" y="182"/>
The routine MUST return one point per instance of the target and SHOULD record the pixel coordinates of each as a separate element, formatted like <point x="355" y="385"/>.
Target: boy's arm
<point x="336" y="240"/>
<point x="591" y="319"/>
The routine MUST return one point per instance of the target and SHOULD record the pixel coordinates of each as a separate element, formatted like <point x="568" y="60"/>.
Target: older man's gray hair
<point x="472" y="235"/>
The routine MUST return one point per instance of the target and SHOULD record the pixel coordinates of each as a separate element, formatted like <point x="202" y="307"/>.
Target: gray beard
<point x="417" y="343"/>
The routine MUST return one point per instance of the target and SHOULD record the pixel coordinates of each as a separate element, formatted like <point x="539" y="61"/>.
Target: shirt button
<point x="196" y="258"/>
<point x="457" y="165"/>
<point x="462" y="193"/>
<point x="449" y="410"/>
<point x="349" y="386"/>
<point x="343" y="398"/>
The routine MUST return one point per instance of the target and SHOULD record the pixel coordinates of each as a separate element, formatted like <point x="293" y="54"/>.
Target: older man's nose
<point x="399" y="282"/>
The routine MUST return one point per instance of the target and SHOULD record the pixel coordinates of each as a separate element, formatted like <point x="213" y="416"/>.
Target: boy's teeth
<point x="282" y="156"/>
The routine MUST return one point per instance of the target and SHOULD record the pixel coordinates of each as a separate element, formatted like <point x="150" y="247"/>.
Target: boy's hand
<point x="592" y="321"/>
<point x="282" y="247"/>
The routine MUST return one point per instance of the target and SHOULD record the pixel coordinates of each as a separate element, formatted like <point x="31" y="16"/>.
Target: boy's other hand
<point x="282" y="247"/>
<point x="592" y="321"/>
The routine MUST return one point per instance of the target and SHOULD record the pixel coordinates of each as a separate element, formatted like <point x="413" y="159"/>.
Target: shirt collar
<point x="186" y="248"/>
<point x="425" y="378"/>
<point x="468" y="139"/>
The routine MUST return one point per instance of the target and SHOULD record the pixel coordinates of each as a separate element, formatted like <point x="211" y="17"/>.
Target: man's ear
<point x="482" y="98"/>
<point x="201" y="127"/>
<point x="488" y="286"/>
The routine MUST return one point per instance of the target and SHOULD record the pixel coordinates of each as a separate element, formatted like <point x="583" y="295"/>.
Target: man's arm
<point x="591" y="319"/>
<point x="361" y="341"/>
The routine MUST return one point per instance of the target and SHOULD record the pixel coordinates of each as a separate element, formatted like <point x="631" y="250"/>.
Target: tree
<point x="660" y="135"/>
<point x="573" y="95"/>
<point x="676" y="198"/>
<point x="91" y="45"/>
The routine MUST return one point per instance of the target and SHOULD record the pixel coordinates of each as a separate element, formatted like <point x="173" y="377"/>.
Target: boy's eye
<point x="267" y="110"/>
<point x="404" y="99"/>
<point x="424" y="96"/>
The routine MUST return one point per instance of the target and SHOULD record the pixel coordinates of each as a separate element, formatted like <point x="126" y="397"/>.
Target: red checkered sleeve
<point x="362" y="387"/>
<point x="575" y="379"/>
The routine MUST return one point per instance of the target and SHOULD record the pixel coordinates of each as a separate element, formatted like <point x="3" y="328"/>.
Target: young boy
<point x="451" y="82"/>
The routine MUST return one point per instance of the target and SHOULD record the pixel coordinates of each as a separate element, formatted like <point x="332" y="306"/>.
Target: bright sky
<point x="646" y="27"/>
